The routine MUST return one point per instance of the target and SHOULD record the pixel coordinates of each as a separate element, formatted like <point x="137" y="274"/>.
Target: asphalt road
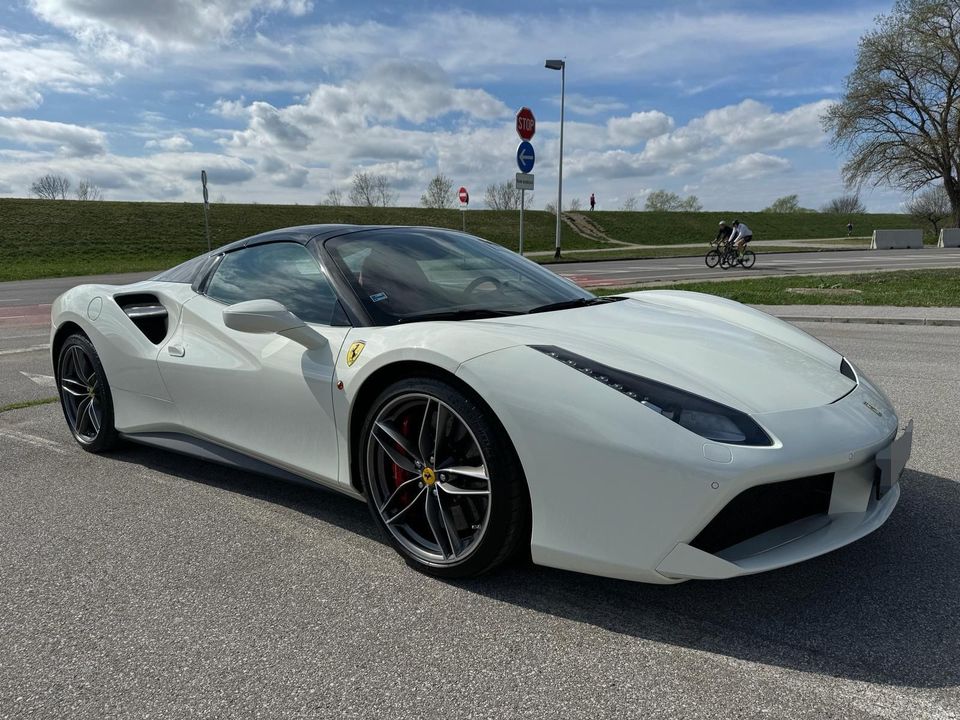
<point x="141" y="584"/>
<point x="614" y="273"/>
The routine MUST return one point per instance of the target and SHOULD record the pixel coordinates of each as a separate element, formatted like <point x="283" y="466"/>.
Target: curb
<point x="945" y="322"/>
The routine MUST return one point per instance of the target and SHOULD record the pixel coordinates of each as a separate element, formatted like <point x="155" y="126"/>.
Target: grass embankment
<point x="669" y="228"/>
<point x="903" y="288"/>
<point x="44" y="238"/>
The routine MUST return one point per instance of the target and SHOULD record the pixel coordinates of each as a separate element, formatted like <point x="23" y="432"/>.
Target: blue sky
<point x="283" y="100"/>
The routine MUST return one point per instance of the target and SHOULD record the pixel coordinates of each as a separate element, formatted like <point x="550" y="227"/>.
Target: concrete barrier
<point x="889" y="239"/>
<point x="949" y="237"/>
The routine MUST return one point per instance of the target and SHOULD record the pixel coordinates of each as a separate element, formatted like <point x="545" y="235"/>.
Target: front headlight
<point x="706" y="418"/>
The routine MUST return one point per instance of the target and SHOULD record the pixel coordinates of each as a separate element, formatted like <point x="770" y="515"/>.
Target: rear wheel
<point x="85" y="395"/>
<point x="748" y="259"/>
<point x="441" y="479"/>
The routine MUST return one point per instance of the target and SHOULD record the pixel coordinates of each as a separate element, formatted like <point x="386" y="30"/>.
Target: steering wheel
<point x="477" y="282"/>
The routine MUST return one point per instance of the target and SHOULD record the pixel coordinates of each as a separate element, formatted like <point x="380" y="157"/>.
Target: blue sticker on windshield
<point x="378" y="297"/>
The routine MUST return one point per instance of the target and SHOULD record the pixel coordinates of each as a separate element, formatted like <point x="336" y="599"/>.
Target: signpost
<point x="464" y="201"/>
<point x="526" y="157"/>
<point x="206" y="207"/>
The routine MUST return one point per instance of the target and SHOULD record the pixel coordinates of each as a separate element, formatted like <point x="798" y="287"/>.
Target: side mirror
<point x="269" y="316"/>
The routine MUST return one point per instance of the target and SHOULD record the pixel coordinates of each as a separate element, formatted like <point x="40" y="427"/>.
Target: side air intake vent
<point x="147" y="313"/>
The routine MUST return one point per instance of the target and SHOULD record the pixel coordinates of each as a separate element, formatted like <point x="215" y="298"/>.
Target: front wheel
<point x="712" y="258"/>
<point x="441" y="479"/>
<point x="748" y="259"/>
<point x="85" y="395"/>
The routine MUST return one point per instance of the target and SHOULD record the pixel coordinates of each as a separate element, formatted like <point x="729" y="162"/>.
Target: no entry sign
<point x="464" y="196"/>
<point x="526" y="123"/>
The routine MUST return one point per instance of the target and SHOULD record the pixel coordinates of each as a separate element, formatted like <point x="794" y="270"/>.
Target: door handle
<point x="176" y="350"/>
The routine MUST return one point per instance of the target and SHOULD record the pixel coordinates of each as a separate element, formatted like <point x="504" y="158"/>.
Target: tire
<point x="748" y="259"/>
<point x="725" y="260"/>
<point x="85" y="396"/>
<point x="448" y="524"/>
<point x="712" y="258"/>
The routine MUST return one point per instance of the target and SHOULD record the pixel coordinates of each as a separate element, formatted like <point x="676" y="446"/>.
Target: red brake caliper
<point x="399" y="474"/>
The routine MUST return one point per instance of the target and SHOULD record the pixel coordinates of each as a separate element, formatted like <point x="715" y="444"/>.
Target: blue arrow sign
<point x="525" y="157"/>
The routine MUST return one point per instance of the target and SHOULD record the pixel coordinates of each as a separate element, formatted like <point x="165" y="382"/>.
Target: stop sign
<point x="464" y="196"/>
<point x="526" y="123"/>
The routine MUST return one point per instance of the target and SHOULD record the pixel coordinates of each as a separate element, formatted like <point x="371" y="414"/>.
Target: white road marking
<point x="34" y="440"/>
<point x="11" y="300"/>
<point x="24" y="350"/>
<point x="41" y="380"/>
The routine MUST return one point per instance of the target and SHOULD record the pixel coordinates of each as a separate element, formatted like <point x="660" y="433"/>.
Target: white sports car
<point x="481" y="404"/>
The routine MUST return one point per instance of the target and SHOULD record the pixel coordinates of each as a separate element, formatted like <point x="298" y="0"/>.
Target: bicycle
<point x="726" y="255"/>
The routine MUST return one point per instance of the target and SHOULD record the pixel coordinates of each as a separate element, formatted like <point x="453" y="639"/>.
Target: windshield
<point x="411" y="274"/>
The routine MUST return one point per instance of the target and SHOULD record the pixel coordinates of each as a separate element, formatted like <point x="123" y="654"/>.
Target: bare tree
<point x="371" y="190"/>
<point x="550" y="208"/>
<point x="575" y="205"/>
<point x="439" y="193"/>
<point x="844" y="205"/>
<point x="51" y="187"/>
<point x="666" y="201"/>
<point x="786" y="204"/>
<point x="88" y="190"/>
<point x="899" y="117"/>
<point x="504" y="196"/>
<point x="931" y="205"/>
<point x="333" y="197"/>
<point x="220" y="199"/>
<point x="631" y="204"/>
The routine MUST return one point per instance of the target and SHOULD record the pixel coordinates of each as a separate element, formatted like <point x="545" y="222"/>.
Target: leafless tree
<point x="899" y="117"/>
<point x="844" y="205"/>
<point x="786" y="204"/>
<point x="575" y="205"/>
<point x="334" y="197"/>
<point x="51" y="187"/>
<point x="666" y="201"/>
<point x="550" y="208"/>
<point x="931" y="205"/>
<point x="367" y="189"/>
<point x="88" y="190"/>
<point x="439" y="193"/>
<point x="631" y="204"/>
<point x="504" y="196"/>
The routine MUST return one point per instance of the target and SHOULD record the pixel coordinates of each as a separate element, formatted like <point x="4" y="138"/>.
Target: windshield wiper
<point x="575" y="303"/>
<point x="463" y="314"/>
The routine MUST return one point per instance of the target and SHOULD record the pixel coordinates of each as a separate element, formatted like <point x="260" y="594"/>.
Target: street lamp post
<point x="560" y="65"/>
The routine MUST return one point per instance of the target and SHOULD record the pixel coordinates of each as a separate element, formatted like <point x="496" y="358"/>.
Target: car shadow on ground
<point x="883" y="610"/>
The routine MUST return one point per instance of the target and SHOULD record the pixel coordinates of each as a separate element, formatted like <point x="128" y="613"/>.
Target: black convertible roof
<point x="303" y="234"/>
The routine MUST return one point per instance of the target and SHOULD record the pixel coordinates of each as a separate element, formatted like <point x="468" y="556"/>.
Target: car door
<point x="261" y="394"/>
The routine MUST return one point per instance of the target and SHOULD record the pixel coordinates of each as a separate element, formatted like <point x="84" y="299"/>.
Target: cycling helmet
<point x="723" y="223"/>
<point x="736" y="222"/>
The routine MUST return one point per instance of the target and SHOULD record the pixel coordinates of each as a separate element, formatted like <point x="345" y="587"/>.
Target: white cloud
<point x="638" y="127"/>
<point x="30" y="65"/>
<point x="174" y="143"/>
<point x="751" y="166"/>
<point x="73" y="140"/>
<point x="124" y="29"/>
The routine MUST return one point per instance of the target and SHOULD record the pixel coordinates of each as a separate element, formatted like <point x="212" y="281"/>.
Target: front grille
<point x="765" y="507"/>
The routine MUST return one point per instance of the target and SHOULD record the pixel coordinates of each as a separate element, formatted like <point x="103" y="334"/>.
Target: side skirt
<point x="211" y="452"/>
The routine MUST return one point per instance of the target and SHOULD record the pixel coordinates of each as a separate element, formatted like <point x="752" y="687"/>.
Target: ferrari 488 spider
<point x="481" y="404"/>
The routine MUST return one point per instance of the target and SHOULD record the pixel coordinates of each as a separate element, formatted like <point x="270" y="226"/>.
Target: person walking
<point x="849" y="229"/>
<point x="593" y="200"/>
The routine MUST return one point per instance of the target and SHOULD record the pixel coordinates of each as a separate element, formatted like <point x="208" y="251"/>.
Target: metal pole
<point x="563" y="78"/>
<point x="522" y="193"/>
<point x="206" y="224"/>
<point x="463" y="217"/>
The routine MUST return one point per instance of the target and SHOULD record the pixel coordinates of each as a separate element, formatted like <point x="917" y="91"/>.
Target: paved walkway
<point x="873" y="314"/>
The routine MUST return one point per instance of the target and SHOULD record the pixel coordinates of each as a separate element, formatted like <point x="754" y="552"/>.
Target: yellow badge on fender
<point x="354" y="352"/>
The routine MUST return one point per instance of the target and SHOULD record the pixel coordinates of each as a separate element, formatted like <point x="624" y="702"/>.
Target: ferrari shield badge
<point x="354" y="352"/>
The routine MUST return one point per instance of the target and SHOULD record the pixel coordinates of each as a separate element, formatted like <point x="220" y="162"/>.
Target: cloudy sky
<point x="282" y="100"/>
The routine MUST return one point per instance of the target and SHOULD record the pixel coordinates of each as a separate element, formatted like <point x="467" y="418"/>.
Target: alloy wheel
<point x="79" y="393"/>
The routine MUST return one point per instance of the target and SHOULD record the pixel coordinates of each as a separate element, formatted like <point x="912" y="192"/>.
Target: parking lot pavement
<point x="143" y="584"/>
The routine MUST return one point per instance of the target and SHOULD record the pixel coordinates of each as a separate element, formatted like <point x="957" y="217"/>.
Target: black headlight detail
<point x="847" y="370"/>
<point x="704" y="417"/>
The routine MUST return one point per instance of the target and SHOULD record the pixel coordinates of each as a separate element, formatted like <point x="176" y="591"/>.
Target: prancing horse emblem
<point x="354" y="352"/>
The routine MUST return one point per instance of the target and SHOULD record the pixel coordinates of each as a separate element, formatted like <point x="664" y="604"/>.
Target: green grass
<point x="661" y="252"/>
<point x="669" y="228"/>
<point x="26" y="404"/>
<point x="43" y="238"/>
<point x="902" y="288"/>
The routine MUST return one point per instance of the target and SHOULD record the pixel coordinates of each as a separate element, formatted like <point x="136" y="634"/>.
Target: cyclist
<point x="741" y="236"/>
<point x="723" y="234"/>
